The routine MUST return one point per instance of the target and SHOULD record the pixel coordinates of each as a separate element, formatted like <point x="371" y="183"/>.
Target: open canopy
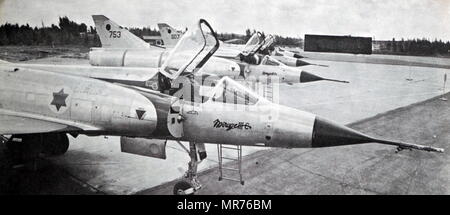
<point x="268" y="41"/>
<point x="257" y="43"/>
<point x="252" y="44"/>
<point x="192" y="51"/>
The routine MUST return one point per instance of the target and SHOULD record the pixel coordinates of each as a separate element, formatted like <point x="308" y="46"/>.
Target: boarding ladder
<point x="268" y="89"/>
<point x="230" y="170"/>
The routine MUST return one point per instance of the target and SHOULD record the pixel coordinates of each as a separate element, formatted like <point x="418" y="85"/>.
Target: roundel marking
<point x="108" y="27"/>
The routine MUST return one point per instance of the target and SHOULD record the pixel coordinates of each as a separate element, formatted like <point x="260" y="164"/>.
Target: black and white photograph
<point x="224" y="97"/>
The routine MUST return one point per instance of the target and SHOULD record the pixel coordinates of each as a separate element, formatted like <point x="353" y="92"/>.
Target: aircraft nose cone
<point x="301" y="63"/>
<point x="327" y="133"/>
<point x="308" y="77"/>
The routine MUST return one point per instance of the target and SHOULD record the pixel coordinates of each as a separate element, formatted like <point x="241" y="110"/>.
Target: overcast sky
<point x="382" y="19"/>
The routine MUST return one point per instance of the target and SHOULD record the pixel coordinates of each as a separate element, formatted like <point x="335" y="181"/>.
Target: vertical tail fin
<point x="169" y="35"/>
<point x="113" y="35"/>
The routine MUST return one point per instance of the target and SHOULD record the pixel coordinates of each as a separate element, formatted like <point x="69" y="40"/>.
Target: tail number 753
<point x="114" y="34"/>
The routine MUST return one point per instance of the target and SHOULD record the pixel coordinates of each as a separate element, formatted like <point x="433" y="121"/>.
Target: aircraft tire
<point x="181" y="187"/>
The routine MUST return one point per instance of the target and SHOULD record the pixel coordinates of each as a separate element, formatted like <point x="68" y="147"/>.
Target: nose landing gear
<point x="190" y="184"/>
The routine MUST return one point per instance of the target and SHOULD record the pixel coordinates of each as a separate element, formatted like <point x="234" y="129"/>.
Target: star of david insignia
<point x="59" y="99"/>
<point x="140" y="114"/>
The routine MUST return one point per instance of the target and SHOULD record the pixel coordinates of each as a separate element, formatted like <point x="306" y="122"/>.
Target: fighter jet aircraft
<point x="170" y="35"/>
<point x="39" y="108"/>
<point x="138" y="54"/>
<point x="267" y="124"/>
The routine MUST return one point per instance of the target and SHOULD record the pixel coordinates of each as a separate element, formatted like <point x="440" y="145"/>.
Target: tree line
<point x="145" y="31"/>
<point x="68" y="32"/>
<point x="422" y="46"/>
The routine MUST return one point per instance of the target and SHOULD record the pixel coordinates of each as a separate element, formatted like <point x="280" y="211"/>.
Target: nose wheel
<point x="190" y="184"/>
<point x="183" y="188"/>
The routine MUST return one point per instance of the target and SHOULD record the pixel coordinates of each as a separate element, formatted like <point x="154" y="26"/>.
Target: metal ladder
<point x="268" y="93"/>
<point x="222" y="167"/>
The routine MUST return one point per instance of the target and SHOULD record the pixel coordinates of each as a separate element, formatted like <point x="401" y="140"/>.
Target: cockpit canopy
<point x="268" y="41"/>
<point x="229" y="91"/>
<point x="268" y="60"/>
<point x="252" y="44"/>
<point x="194" y="48"/>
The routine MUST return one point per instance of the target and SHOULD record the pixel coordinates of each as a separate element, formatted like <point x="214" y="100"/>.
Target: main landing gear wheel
<point x="190" y="184"/>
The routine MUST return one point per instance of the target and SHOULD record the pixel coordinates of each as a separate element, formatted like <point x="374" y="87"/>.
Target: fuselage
<point x="221" y="67"/>
<point x="100" y="107"/>
<point x="154" y="58"/>
<point x="264" y="124"/>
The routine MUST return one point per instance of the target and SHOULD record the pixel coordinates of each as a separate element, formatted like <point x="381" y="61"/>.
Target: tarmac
<point x="361" y="169"/>
<point x="95" y="165"/>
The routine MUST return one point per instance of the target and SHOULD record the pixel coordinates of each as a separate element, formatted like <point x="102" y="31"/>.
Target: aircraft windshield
<point x="194" y="48"/>
<point x="252" y="44"/>
<point x="229" y="91"/>
<point x="267" y="60"/>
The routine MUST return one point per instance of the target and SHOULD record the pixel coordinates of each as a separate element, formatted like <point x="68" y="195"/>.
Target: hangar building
<point x="341" y="44"/>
